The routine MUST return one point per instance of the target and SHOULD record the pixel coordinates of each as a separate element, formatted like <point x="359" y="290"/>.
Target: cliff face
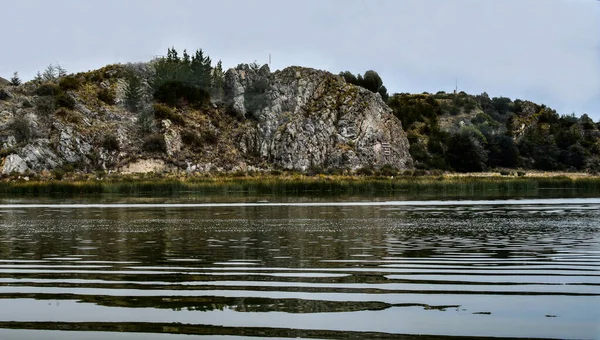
<point x="297" y="118"/>
<point x="305" y="117"/>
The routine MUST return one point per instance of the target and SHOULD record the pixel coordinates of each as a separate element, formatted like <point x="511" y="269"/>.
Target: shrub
<point x="335" y="171"/>
<point x="65" y="100"/>
<point x="155" y="143"/>
<point x="146" y="121"/>
<point x="45" y="105"/>
<point x="26" y="104"/>
<point x="69" y="83"/>
<point x="365" y="171"/>
<point x="21" y="129"/>
<point x="388" y="170"/>
<point x="68" y="115"/>
<point x="162" y="111"/>
<point x="419" y="173"/>
<point x="107" y="96"/>
<point x="210" y="136"/>
<point x="521" y="173"/>
<point x="58" y="174"/>
<point x="190" y="138"/>
<point x="110" y="142"/>
<point x="7" y="151"/>
<point x="314" y="170"/>
<point x="47" y="90"/>
<point x="177" y="93"/>
<point x="504" y="172"/>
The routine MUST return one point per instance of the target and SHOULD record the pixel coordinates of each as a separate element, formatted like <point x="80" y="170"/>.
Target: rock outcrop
<point x="309" y="118"/>
<point x="297" y="118"/>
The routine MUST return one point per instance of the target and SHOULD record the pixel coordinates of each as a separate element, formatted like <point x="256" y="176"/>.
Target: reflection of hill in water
<point x="290" y="270"/>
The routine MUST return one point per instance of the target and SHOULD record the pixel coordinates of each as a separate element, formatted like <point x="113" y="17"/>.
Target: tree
<point x="133" y="93"/>
<point x="370" y="81"/>
<point x="218" y="80"/>
<point x="60" y="71"/>
<point x="50" y="73"/>
<point x="15" y="80"/>
<point x="179" y="82"/>
<point x="38" y="78"/>
<point x="466" y="152"/>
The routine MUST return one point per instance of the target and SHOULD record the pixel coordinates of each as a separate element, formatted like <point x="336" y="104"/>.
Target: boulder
<point x="14" y="163"/>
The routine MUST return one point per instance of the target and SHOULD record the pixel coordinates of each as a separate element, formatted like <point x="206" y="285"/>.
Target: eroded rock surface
<point x="310" y="118"/>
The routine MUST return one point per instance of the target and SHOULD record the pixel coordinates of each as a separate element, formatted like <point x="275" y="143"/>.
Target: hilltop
<point x="182" y="114"/>
<point x="185" y="115"/>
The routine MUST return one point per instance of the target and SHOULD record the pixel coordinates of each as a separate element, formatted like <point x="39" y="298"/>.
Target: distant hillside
<point x="182" y="113"/>
<point x="475" y="132"/>
<point x="4" y="82"/>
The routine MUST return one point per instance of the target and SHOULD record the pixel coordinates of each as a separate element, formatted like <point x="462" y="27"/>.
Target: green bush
<point x="388" y="170"/>
<point x="107" y="96"/>
<point x="45" y="105"/>
<point x="26" y="104"/>
<point x="521" y="173"/>
<point x="58" y="174"/>
<point x="314" y="170"/>
<point x="21" y="128"/>
<point x="178" y="93"/>
<point x="210" y="136"/>
<point x="65" y="100"/>
<point x="68" y="115"/>
<point x="155" y="143"/>
<point x="69" y="83"/>
<point x="191" y="138"/>
<point x="365" y="171"/>
<point x="47" y="89"/>
<point x="110" y="142"/>
<point x="504" y="172"/>
<point x="162" y="111"/>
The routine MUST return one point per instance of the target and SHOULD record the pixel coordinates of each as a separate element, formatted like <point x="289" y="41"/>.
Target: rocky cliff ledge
<point x="305" y="117"/>
<point x="297" y="118"/>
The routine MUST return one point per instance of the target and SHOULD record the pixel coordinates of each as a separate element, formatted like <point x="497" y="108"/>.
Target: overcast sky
<point x="547" y="51"/>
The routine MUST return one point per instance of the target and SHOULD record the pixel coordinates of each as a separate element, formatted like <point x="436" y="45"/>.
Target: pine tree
<point x="218" y="79"/>
<point x="133" y="93"/>
<point x="15" y="80"/>
<point x="60" y="71"/>
<point x="49" y="73"/>
<point x="38" y="78"/>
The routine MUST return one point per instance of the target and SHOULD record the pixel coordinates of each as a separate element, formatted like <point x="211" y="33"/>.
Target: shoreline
<point x="284" y="184"/>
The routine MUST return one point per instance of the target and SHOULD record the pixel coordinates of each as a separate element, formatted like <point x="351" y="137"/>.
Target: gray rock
<point x="11" y="141"/>
<point x="172" y="138"/>
<point x="5" y="94"/>
<point x="307" y="117"/>
<point x="14" y="163"/>
<point x="39" y="156"/>
<point x="72" y="147"/>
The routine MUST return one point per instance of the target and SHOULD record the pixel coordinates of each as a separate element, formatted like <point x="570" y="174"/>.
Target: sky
<point x="546" y="51"/>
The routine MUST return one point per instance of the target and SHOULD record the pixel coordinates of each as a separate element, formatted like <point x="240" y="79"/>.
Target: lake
<point x="137" y="269"/>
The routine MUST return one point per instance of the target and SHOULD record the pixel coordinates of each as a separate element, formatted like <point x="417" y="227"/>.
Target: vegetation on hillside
<point x="468" y="133"/>
<point x="446" y="131"/>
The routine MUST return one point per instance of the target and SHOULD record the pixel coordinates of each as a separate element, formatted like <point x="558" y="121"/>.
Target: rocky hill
<point x="463" y="132"/>
<point x="297" y="118"/>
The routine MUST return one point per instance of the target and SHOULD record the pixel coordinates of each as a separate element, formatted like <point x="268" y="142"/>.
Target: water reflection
<point x="503" y="269"/>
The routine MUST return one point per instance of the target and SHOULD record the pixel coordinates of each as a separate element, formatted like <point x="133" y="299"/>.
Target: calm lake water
<point x="511" y="268"/>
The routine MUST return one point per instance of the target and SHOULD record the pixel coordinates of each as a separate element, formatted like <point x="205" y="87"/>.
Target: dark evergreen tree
<point x="133" y="93"/>
<point x="15" y="80"/>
